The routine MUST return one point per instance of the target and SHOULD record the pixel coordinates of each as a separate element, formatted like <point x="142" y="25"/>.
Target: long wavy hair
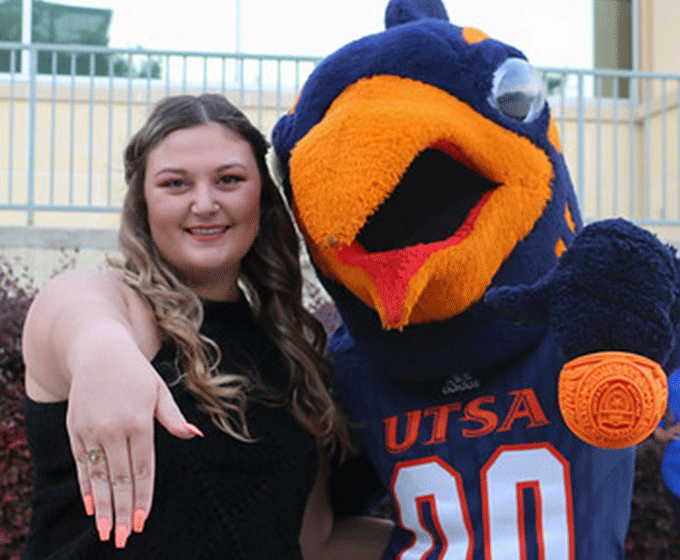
<point x="271" y="278"/>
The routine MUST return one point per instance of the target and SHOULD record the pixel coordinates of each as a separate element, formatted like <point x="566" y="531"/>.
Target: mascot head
<point x="423" y="167"/>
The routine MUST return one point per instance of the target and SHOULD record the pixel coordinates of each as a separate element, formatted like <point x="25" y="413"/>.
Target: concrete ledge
<point x="35" y="237"/>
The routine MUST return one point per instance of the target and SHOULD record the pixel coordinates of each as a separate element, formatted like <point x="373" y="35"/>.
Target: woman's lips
<point x="207" y="233"/>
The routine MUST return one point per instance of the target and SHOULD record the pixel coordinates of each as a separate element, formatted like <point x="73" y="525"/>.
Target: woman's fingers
<point x="98" y="474"/>
<point x="78" y="450"/>
<point x="108" y="472"/>
<point x="142" y="464"/>
<point x="121" y="488"/>
<point x="113" y="444"/>
<point x="171" y="418"/>
<point x="107" y="485"/>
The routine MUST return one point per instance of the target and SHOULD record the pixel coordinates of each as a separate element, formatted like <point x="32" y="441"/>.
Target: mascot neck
<point x="468" y="342"/>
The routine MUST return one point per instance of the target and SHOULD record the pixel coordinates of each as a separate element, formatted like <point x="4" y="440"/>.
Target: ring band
<point x="94" y="456"/>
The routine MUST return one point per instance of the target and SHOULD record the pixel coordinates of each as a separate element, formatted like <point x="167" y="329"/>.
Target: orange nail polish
<point x="193" y="429"/>
<point x="104" y="528"/>
<point x="138" y="520"/>
<point x="122" y="534"/>
<point x="89" y="504"/>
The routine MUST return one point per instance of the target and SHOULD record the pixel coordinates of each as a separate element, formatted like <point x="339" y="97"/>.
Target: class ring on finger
<point x="94" y="456"/>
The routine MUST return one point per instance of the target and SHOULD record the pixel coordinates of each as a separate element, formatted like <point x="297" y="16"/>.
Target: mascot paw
<point x="615" y="288"/>
<point x="612" y="399"/>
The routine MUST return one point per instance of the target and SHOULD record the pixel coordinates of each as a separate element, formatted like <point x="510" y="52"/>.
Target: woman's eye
<point x="173" y="183"/>
<point x="230" y="179"/>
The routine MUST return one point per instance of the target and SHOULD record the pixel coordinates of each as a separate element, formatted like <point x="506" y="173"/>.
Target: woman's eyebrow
<point x="179" y="170"/>
<point x="229" y="165"/>
<point x="176" y="170"/>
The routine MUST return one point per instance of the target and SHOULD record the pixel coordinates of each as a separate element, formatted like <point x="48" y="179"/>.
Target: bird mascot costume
<point x="499" y="360"/>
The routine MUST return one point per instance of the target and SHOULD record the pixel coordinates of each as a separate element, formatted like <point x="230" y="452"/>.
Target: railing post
<point x="30" y="134"/>
<point x="633" y="92"/>
<point x="581" y="139"/>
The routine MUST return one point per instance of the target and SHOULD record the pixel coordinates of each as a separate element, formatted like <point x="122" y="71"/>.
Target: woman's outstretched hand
<point x="112" y="403"/>
<point x="88" y="340"/>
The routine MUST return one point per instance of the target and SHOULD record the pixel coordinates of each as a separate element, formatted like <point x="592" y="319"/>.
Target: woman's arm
<point x="356" y="538"/>
<point x="326" y="537"/>
<point x="88" y="339"/>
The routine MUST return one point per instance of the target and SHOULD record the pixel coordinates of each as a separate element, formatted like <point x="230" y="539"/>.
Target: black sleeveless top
<point x="214" y="497"/>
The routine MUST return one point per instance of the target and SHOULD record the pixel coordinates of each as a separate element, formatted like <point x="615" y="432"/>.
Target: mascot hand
<point x="612" y="304"/>
<point x="615" y="288"/>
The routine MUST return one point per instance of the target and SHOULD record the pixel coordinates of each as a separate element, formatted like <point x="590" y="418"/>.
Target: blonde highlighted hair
<point x="270" y="276"/>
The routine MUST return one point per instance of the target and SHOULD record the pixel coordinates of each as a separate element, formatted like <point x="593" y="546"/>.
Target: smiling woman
<point x="204" y="209"/>
<point x="206" y="309"/>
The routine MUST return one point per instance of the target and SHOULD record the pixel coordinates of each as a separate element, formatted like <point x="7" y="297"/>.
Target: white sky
<point x="550" y="32"/>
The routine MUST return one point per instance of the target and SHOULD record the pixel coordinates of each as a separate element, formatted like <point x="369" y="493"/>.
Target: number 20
<point x="511" y="470"/>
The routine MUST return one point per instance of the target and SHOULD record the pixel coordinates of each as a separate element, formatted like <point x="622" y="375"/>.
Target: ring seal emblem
<point x="612" y="400"/>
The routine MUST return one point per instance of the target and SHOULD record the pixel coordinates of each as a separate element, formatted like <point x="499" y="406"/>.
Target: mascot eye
<point x="518" y="90"/>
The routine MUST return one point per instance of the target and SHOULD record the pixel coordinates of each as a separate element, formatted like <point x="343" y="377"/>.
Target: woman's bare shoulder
<point x="84" y="282"/>
<point x="86" y="292"/>
<point x="107" y="287"/>
<point x="85" y="301"/>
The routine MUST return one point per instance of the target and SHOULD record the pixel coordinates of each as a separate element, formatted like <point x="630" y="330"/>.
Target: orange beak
<point x="350" y="163"/>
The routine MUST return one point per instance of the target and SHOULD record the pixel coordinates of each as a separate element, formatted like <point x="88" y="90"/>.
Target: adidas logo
<point x="458" y="383"/>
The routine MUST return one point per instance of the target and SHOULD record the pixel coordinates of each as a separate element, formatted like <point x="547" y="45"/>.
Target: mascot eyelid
<point x="518" y="91"/>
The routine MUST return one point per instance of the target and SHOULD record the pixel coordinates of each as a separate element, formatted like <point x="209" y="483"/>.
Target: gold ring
<point x="95" y="455"/>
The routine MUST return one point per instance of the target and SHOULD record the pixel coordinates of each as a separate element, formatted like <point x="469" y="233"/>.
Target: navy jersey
<point x="483" y="467"/>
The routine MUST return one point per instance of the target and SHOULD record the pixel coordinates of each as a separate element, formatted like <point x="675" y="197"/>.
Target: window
<point x="70" y="25"/>
<point x="10" y="31"/>
<point x="59" y="24"/>
<point x="613" y="39"/>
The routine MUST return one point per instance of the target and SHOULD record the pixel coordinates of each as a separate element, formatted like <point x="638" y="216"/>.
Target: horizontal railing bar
<point x="87" y="49"/>
<point x="48" y="208"/>
<point x="608" y="73"/>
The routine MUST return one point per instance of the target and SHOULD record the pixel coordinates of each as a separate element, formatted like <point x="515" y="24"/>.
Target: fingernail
<point x="138" y="520"/>
<point x="193" y="429"/>
<point x="104" y="528"/>
<point x="89" y="504"/>
<point x="122" y="534"/>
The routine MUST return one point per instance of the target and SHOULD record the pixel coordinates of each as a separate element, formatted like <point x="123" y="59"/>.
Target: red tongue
<point x="391" y="271"/>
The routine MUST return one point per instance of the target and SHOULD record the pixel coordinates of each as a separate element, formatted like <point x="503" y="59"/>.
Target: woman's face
<point x="202" y="190"/>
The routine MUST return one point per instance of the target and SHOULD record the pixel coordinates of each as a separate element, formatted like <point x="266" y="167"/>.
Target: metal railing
<point x="66" y="113"/>
<point x="621" y="134"/>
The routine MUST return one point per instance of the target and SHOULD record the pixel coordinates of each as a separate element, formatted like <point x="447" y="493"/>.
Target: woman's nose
<point x="204" y="201"/>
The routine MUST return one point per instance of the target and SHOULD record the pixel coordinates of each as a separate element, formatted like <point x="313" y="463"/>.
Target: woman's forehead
<point x="210" y="143"/>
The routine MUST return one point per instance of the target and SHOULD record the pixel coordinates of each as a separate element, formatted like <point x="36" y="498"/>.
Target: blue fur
<point x="615" y="289"/>
<point x="403" y="11"/>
